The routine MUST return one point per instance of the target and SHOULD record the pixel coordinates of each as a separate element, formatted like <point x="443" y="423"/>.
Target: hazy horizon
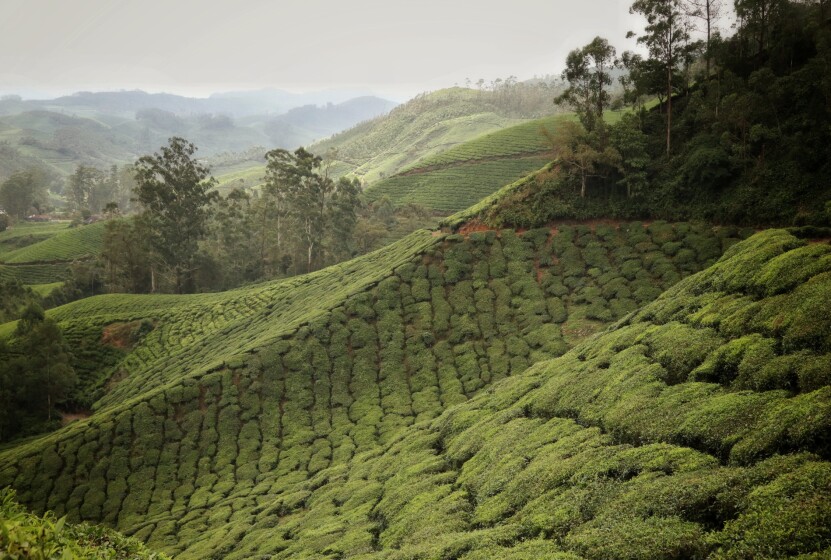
<point x="393" y="50"/>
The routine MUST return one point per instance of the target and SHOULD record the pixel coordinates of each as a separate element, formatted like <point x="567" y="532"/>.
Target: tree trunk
<point x="669" y="106"/>
<point x="583" y="185"/>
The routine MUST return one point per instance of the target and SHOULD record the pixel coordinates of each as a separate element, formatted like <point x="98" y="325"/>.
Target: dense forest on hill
<point x="747" y="143"/>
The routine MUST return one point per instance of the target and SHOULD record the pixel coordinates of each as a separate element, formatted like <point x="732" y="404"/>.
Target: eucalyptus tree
<point x="666" y="37"/>
<point x="174" y="191"/>
<point x="588" y="73"/>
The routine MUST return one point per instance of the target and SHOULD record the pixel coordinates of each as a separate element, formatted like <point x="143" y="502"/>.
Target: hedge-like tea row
<point x="230" y="416"/>
<point x="68" y="245"/>
<point x="618" y="449"/>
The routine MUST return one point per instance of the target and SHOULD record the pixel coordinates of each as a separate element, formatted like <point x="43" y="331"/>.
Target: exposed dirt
<point x="119" y="335"/>
<point x="69" y="417"/>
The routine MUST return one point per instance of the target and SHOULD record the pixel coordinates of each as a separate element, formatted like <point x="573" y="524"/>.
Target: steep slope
<point x="224" y="412"/>
<point x="696" y="427"/>
<point x="424" y="126"/>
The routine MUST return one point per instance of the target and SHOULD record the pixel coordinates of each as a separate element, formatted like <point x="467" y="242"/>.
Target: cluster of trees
<point x="186" y="237"/>
<point x="90" y="190"/>
<point x="742" y="125"/>
<point x="36" y="375"/>
<point x="24" y="193"/>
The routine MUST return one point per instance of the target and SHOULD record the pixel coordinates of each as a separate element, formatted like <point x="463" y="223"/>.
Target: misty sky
<point x="394" y="48"/>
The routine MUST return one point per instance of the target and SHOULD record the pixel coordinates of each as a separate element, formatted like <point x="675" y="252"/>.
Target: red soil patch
<point x="69" y="417"/>
<point x="474" y="226"/>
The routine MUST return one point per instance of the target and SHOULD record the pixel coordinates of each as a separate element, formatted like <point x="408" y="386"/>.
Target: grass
<point x="275" y="419"/>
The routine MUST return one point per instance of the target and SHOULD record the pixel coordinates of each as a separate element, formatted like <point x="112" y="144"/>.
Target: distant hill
<point x="101" y="129"/>
<point x="429" y="124"/>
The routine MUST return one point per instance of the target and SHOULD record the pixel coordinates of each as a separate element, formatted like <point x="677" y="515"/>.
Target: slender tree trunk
<point x="707" y="53"/>
<point x="669" y="106"/>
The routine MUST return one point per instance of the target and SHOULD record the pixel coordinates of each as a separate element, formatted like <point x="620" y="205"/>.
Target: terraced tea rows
<point x="28" y="233"/>
<point x="518" y="140"/>
<point x="228" y="415"/>
<point x="33" y="274"/>
<point x="67" y="245"/>
<point x="450" y="189"/>
<point x="696" y="428"/>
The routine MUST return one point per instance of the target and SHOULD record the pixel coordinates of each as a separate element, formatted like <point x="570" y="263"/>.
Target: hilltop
<point x="224" y="401"/>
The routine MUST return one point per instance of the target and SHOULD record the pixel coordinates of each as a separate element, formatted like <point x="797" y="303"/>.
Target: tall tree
<point x="757" y="17"/>
<point x="306" y="195"/>
<point x="83" y="184"/>
<point x="708" y="12"/>
<point x="343" y="217"/>
<point x="588" y="73"/>
<point x="666" y="38"/>
<point x="174" y="191"/>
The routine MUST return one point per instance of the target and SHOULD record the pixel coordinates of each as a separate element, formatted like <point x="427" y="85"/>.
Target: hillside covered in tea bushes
<point x="219" y="412"/>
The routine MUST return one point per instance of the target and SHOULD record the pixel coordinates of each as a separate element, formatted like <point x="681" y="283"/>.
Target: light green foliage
<point x="379" y="409"/>
<point x="23" y="535"/>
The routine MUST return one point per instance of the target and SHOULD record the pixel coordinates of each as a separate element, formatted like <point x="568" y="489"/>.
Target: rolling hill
<point x="424" y="126"/>
<point x="40" y="253"/>
<point x="266" y="420"/>
<point x="103" y="128"/>
<point x="458" y="177"/>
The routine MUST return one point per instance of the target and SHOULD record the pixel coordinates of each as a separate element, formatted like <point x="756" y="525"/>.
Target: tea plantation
<point x="462" y="175"/>
<point x="40" y="253"/>
<point x="275" y="419"/>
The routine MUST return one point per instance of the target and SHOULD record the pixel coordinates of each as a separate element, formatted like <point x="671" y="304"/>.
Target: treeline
<point x="727" y="129"/>
<point x="88" y="191"/>
<point x="185" y="237"/>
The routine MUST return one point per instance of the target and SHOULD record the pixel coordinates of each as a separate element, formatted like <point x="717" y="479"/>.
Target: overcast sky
<point x="195" y="47"/>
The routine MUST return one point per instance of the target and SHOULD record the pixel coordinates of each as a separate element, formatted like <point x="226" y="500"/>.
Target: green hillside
<point x="66" y="245"/>
<point x="226" y="419"/>
<point x="427" y="125"/>
<point x="461" y="176"/>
